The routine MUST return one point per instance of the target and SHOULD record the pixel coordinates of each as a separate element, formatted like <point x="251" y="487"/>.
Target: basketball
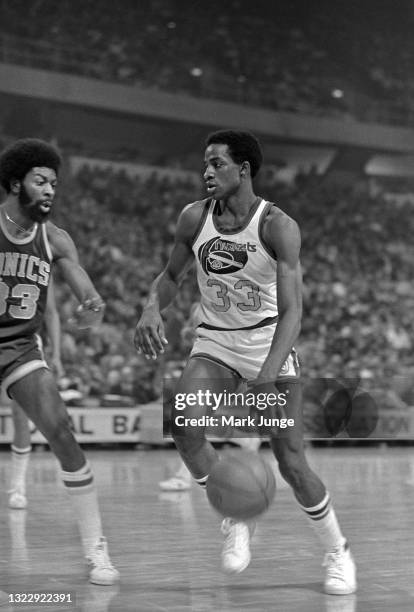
<point x="241" y="485"/>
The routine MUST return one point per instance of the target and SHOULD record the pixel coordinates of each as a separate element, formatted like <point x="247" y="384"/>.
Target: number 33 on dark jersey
<point x="25" y="265"/>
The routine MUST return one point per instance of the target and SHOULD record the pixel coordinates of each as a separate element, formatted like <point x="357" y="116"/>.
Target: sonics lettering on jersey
<point x="22" y="265"/>
<point x="223" y="256"/>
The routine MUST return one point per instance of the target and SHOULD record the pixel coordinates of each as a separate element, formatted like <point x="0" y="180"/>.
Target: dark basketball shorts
<point x="19" y="357"/>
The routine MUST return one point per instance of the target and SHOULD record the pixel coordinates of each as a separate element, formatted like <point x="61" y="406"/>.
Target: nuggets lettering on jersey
<point x="235" y="272"/>
<point x="222" y="256"/>
<point x="25" y="266"/>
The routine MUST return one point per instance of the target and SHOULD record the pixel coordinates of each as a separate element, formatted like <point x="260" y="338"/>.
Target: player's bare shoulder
<point x="61" y="243"/>
<point x="280" y="232"/>
<point x="191" y="219"/>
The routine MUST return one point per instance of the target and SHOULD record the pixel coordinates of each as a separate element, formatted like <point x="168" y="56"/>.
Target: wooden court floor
<point x="167" y="545"/>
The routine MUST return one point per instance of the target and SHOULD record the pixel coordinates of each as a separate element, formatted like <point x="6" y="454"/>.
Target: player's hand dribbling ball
<point x="241" y="485"/>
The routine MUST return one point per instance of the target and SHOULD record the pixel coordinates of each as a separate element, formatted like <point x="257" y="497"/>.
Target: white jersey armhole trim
<point x="47" y="243"/>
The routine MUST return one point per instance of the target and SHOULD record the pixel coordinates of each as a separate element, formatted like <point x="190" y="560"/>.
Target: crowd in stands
<point x="330" y="58"/>
<point x="358" y="291"/>
<point x="357" y="259"/>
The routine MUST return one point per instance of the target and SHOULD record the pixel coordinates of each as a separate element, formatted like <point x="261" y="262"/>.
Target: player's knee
<point x="188" y="443"/>
<point x="182" y="432"/>
<point x="292" y="472"/>
<point x="59" y="432"/>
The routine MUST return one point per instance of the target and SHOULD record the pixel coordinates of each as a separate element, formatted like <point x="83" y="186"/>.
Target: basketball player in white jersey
<point x="247" y="256"/>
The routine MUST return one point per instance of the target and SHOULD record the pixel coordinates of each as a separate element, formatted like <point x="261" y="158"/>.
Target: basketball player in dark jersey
<point x="29" y="246"/>
<point x="246" y="252"/>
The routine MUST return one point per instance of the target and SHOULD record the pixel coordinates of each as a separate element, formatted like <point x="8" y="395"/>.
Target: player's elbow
<point x="296" y="324"/>
<point x="172" y="278"/>
<point x="297" y="328"/>
<point x="293" y="317"/>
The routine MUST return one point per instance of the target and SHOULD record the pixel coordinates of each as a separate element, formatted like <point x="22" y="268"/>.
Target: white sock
<point x="81" y="489"/>
<point x="325" y="524"/>
<point x="20" y="461"/>
<point x="202" y="481"/>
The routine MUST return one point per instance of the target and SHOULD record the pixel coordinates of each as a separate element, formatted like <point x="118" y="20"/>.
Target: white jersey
<point x="236" y="273"/>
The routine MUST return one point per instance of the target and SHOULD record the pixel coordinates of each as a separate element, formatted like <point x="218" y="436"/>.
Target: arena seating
<point x="339" y="59"/>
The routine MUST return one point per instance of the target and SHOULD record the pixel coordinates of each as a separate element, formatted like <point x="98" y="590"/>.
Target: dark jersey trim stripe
<point x="260" y="230"/>
<point x="262" y="323"/>
<point x="202" y="221"/>
<point x="246" y="222"/>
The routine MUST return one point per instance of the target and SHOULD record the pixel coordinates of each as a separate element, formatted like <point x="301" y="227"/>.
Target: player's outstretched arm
<point x="283" y="237"/>
<point x="65" y="256"/>
<point x="149" y="333"/>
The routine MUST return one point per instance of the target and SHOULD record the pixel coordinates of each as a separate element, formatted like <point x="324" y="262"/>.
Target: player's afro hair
<point x="243" y="146"/>
<point x="23" y="155"/>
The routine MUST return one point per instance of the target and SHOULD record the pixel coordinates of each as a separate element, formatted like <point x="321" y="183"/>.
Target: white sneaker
<point x="340" y="572"/>
<point x="17" y="500"/>
<point x="101" y="570"/>
<point x="175" y="483"/>
<point x="235" y="556"/>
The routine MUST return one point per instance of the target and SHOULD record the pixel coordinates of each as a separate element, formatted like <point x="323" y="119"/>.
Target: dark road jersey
<point x="25" y="266"/>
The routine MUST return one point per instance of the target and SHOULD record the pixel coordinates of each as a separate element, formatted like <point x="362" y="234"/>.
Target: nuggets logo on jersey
<point x="222" y="256"/>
